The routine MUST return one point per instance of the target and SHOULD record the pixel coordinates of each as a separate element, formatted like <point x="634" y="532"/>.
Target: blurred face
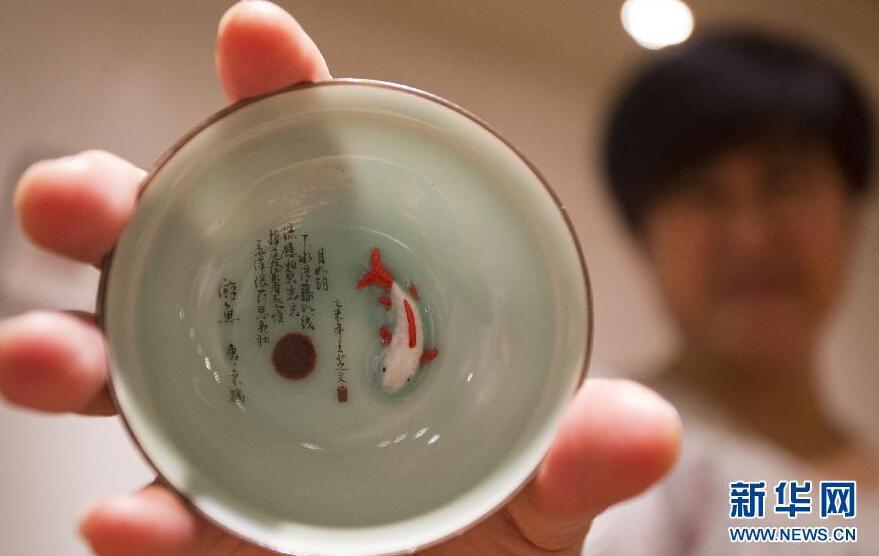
<point x="750" y="251"/>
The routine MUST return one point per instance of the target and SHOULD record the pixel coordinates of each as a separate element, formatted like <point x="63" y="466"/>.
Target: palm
<point x="617" y="437"/>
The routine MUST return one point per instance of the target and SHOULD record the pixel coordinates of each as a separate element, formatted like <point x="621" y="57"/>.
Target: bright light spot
<point x="384" y="444"/>
<point x="207" y="363"/>
<point x="310" y="446"/>
<point x="657" y="23"/>
<point x="469" y="377"/>
<point x="420" y="432"/>
<point x="400" y="438"/>
<point x="433" y="439"/>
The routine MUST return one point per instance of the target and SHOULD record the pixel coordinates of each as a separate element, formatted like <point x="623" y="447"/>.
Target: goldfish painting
<point x="404" y="346"/>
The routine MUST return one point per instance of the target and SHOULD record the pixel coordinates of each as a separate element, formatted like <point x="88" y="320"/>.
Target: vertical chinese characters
<point x="290" y="275"/>
<point x="297" y="274"/>
<point x="275" y="268"/>
<point x="228" y="293"/>
<point x="320" y="272"/>
<point x="342" y="387"/>
<point x="306" y="295"/>
<point x="261" y="285"/>
<point x="236" y="395"/>
<point x="291" y="270"/>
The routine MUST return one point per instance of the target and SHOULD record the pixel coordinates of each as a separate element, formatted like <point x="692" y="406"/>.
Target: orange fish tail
<point x="377" y="273"/>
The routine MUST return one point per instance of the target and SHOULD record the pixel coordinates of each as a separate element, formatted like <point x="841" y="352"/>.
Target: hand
<point x="616" y="440"/>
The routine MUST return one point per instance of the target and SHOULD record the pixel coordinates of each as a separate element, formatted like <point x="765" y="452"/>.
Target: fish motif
<point x="404" y="345"/>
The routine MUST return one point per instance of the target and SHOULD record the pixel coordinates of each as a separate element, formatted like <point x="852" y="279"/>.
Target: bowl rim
<point x="156" y="167"/>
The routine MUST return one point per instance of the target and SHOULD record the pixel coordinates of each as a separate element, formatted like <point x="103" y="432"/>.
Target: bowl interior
<point x="255" y="233"/>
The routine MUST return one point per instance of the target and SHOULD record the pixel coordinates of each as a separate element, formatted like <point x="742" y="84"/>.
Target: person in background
<point x="616" y="439"/>
<point x="739" y="162"/>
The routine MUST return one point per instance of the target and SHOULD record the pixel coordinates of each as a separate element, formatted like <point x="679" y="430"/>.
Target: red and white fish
<point x="405" y="345"/>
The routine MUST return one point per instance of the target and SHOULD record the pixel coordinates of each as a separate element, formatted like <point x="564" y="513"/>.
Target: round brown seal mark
<point x="294" y="356"/>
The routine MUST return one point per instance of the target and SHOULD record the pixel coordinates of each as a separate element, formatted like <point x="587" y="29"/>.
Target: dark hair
<point x="726" y="89"/>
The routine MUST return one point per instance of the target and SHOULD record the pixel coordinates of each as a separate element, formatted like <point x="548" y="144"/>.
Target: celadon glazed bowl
<point x="345" y="319"/>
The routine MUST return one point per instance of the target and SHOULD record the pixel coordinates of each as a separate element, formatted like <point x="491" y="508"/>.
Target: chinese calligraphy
<point x="260" y="285"/>
<point x="342" y="388"/>
<point x="228" y="292"/>
<point x="236" y="395"/>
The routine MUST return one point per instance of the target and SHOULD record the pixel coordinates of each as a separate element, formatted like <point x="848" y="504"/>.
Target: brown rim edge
<point x="107" y="261"/>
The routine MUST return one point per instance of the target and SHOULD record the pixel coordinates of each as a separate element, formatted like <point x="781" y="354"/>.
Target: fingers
<point x="78" y="205"/>
<point x="155" y="522"/>
<point x="617" y="439"/>
<point x="54" y="362"/>
<point x="261" y="48"/>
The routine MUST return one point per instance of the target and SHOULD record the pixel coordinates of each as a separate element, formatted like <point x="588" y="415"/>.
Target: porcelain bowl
<point x="345" y="319"/>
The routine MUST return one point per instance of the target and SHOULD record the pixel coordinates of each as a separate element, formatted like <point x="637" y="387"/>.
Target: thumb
<point x="262" y="48"/>
<point x="617" y="439"/>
